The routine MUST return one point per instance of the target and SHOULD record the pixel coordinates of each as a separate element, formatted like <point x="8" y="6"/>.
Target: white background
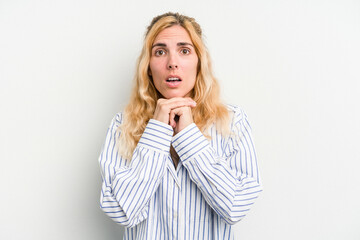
<point x="66" y="68"/>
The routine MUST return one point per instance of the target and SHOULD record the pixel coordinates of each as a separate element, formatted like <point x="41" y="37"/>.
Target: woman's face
<point x="173" y="63"/>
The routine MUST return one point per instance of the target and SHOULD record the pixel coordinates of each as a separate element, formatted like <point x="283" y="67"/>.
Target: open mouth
<point x="173" y="79"/>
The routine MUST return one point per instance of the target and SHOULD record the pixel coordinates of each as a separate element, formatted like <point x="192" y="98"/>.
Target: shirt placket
<point x="176" y="208"/>
<point x="181" y="211"/>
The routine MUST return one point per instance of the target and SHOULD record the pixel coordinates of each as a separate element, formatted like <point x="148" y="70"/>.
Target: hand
<point x="184" y="116"/>
<point x="167" y="109"/>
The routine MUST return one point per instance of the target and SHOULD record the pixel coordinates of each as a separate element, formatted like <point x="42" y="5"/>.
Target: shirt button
<point x="175" y="215"/>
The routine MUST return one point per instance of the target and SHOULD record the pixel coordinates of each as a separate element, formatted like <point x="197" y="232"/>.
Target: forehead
<point x="174" y="33"/>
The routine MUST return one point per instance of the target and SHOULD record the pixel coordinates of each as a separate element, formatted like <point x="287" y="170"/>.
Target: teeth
<point x="173" y="79"/>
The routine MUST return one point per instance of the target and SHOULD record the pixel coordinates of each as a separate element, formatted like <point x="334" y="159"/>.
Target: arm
<point x="228" y="189"/>
<point x="128" y="186"/>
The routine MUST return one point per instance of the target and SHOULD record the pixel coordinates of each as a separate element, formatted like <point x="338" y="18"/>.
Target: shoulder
<point x="117" y="120"/>
<point x="236" y="113"/>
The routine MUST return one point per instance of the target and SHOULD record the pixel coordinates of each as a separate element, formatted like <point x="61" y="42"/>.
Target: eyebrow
<point x="178" y="44"/>
<point x="184" y="44"/>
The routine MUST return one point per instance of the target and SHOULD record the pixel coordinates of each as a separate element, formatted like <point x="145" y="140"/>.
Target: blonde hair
<point x="206" y="92"/>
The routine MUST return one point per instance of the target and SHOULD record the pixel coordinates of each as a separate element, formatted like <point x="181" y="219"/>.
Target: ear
<point x="149" y="72"/>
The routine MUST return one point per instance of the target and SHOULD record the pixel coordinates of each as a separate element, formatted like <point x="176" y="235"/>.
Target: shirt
<point x="213" y="187"/>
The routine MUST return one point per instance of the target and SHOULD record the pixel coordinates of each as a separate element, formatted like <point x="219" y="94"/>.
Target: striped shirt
<point x="213" y="186"/>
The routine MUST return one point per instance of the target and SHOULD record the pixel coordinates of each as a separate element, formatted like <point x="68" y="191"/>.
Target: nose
<point x="172" y="62"/>
<point x="172" y="66"/>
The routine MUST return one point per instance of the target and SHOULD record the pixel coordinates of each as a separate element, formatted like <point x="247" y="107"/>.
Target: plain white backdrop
<point x="66" y="69"/>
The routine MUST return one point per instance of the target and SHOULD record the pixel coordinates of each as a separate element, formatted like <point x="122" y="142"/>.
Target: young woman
<point x="178" y="163"/>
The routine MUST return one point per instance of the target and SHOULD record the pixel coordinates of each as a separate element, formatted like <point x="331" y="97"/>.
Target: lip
<point x="173" y="76"/>
<point x="173" y="84"/>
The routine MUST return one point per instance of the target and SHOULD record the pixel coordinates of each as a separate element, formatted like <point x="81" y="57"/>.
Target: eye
<point x="185" y="51"/>
<point x="159" y="52"/>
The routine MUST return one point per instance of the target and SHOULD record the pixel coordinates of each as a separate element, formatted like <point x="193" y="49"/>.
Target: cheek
<point x="155" y="67"/>
<point x="192" y="66"/>
<point x="151" y="67"/>
<point x="155" y="73"/>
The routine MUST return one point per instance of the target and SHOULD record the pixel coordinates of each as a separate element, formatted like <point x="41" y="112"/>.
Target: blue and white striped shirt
<point x="213" y="186"/>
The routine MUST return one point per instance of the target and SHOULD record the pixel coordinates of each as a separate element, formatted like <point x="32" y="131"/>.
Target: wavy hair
<point x="206" y="93"/>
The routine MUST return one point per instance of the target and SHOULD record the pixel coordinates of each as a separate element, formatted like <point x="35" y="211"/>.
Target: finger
<point x="175" y="99"/>
<point x="179" y="111"/>
<point x="172" y="119"/>
<point x="164" y="107"/>
<point x="179" y="102"/>
<point x="185" y="117"/>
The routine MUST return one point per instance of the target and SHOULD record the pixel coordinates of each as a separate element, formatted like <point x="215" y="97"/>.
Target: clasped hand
<point x="168" y="110"/>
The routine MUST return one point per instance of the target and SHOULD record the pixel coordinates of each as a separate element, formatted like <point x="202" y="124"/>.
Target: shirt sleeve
<point x="127" y="186"/>
<point x="228" y="189"/>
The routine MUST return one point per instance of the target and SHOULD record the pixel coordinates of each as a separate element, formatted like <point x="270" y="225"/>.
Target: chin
<point x="169" y="95"/>
<point x="172" y="95"/>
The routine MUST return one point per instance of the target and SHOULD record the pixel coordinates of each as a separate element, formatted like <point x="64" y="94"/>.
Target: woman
<point x="177" y="164"/>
